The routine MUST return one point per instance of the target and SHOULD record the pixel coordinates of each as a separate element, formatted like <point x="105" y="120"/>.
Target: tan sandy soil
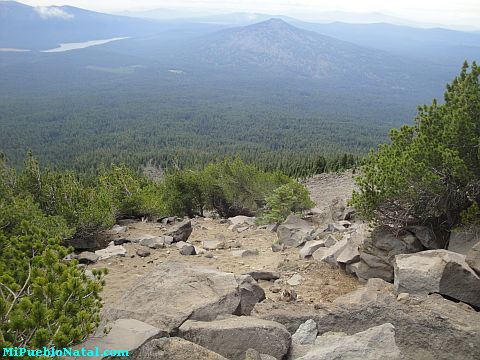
<point x="321" y="283"/>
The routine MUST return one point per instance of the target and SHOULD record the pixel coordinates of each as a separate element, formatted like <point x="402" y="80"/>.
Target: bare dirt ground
<point x="320" y="283"/>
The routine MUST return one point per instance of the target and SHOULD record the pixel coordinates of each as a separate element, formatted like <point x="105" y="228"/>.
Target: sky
<point x="460" y="13"/>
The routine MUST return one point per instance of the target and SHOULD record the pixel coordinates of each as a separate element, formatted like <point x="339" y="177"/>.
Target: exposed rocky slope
<point x="308" y="289"/>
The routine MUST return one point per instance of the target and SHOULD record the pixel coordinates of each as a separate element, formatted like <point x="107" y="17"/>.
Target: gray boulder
<point x="111" y="250"/>
<point x="437" y="271"/>
<point x="87" y="257"/>
<point x="125" y="334"/>
<point x="294" y="231"/>
<point x="427" y="237"/>
<point x="330" y="254"/>
<point x="153" y="242"/>
<point x="306" y="333"/>
<point x="187" y="250"/>
<point x="143" y="252"/>
<point x="373" y="344"/>
<point x="174" y="292"/>
<point x="378" y="252"/>
<point x="173" y="348"/>
<point x="214" y="244"/>
<point x="250" y="294"/>
<point x="463" y="239"/>
<point x="118" y="229"/>
<point x="426" y="327"/>
<point x="349" y="254"/>
<point x="473" y="258"/>
<point x="310" y="247"/>
<point x="232" y="337"/>
<point x="181" y="231"/>
<point x="240" y="221"/>
<point x="138" y="238"/>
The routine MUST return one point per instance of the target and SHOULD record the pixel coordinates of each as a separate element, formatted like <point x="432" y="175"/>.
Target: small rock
<point x="214" y="244"/>
<point x="244" y="253"/>
<point x="295" y="280"/>
<point x="277" y="247"/>
<point x="264" y="275"/>
<point x="403" y="297"/>
<point x="117" y="229"/>
<point x="143" y="252"/>
<point x="188" y="249"/>
<point x="120" y="241"/>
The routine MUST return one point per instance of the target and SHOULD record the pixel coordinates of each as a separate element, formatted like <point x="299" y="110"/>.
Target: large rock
<point x="250" y="294"/>
<point x="437" y="271"/>
<point x="375" y="290"/>
<point x="463" y="239"/>
<point x="174" y="292"/>
<point x="240" y="222"/>
<point x="125" y="334"/>
<point x="426" y="327"/>
<point x="427" y="237"/>
<point x="153" y="242"/>
<point x="310" y="247"/>
<point x="232" y="337"/>
<point x="111" y="250"/>
<point x="294" y="231"/>
<point x="349" y="254"/>
<point x="371" y="266"/>
<point x="87" y="257"/>
<point x="378" y="252"/>
<point x="173" y="348"/>
<point x="473" y="258"/>
<point x="306" y="333"/>
<point x="181" y="231"/>
<point x="330" y="254"/>
<point x="373" y="344"/>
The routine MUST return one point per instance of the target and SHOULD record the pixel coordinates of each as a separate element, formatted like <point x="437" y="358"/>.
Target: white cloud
<point x="49" y="12"/>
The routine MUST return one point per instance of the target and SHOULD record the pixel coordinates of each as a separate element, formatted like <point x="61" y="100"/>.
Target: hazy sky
<point x="448" y="12"/>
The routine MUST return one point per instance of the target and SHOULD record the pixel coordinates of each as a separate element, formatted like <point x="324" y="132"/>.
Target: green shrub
<point x="183" y="193"/>
<point x="430" y="173"/>
<point x="88" y="209"/>
<point x="43" y="300"/>
<point x="233" y="187"/>
<point x="129" y="193"/>
<point x="289" y="198"/>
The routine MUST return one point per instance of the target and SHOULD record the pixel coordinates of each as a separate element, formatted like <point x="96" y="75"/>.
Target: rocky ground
<point x="321" y="282"/>
<point x="313" y="289"/>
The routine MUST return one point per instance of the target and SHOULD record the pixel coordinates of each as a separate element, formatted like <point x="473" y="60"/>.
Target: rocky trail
<point x="319" y="288"/>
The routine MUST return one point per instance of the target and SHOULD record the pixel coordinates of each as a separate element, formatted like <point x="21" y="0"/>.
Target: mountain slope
<point x="277" y="48"/>
<point x="438" y="45"/>
<point x="38" y="28"/>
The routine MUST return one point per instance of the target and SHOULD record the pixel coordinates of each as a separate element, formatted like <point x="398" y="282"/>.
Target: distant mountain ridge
<point x="278" y="48"/>
<point x="38" y="28"/>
